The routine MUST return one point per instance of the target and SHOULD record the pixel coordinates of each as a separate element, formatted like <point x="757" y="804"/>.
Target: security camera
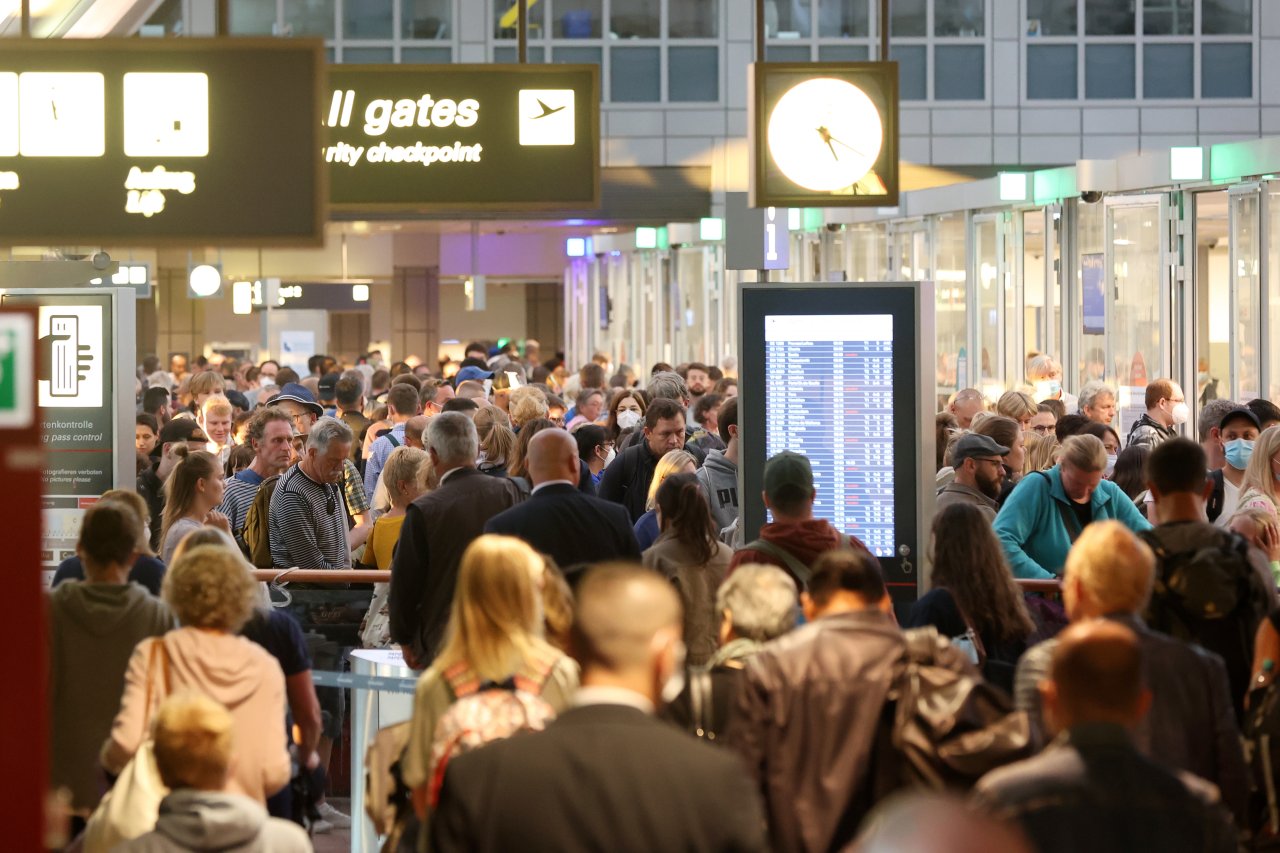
<point x="1091" y="196"/>
<point x="101" y="261"/>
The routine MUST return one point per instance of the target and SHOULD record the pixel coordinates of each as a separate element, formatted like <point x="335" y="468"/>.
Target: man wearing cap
<point x="978" y="462"/>
<point x="327" y="391"/>
<point x="1237" y="431"/>
<point x="303" y="410"/>
<point x="794" y="539"/>
<point x="178" y="431"/>
<point x="471" y="373"/>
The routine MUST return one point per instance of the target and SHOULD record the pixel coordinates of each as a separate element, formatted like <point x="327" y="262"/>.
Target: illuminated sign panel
<point x="154" y="142"/>
<point x="451" y="137"/>
<point x="824" y="134"/>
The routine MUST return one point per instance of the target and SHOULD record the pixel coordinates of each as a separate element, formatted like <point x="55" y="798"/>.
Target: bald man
<point x="1092" y="789"/>
<point x="606" y="775"/>
<point x="573" y="528"/>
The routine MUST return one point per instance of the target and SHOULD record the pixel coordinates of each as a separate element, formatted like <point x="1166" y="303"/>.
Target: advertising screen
<point x="847" y="381"/>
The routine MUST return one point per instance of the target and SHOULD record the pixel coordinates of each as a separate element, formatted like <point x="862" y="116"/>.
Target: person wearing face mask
<point x="1045" y="376"/>
<point x="1261" y="484"/>
<point x="1237" y="431"/>
<point x="595" y="449"/>
<point x="560" y="788"/>
<point x="1048" y="510"/>
<point x="626" y="413"/>
<point x="1166" y="410"/>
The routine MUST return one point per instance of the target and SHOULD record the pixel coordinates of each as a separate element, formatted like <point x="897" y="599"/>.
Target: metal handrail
<point x="322" y="576"/>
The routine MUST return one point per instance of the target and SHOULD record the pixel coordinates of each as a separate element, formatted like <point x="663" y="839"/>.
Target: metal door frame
<point x="1233" y="265"/>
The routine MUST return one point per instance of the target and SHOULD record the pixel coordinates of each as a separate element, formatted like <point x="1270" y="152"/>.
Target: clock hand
<point x="826" y="137"/>
<point x="846" y="145"/>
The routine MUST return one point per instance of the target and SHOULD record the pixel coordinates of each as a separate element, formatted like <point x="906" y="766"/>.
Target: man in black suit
<point x="438" y="527"/>
<point x="606" y="775"/>
<point x="1092" y="789"/>
<point x="572" y="528"/>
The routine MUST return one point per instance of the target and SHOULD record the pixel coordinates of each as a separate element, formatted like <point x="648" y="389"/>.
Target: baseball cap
<point x="298" y="394"/>
<point x="329" y="386"/>
<point x="472" y="373"/>
<point x="787" y="469"/>
<point x="973" y="445"/>
<point x="1240" y="412"/>
<point x="238" y="399"/>
<point x="178" y="429"/>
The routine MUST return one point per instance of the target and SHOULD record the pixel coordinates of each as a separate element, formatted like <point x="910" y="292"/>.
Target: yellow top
<point x="382" y="540"/>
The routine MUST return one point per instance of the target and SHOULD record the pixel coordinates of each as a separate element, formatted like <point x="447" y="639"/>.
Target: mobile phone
<point x="64" y="379"/>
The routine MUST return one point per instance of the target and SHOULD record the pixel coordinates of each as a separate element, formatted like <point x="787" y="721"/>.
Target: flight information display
<point x="829" y="395"/>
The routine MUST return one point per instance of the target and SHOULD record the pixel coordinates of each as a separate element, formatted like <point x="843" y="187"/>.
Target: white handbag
<point x="132" y="805"/>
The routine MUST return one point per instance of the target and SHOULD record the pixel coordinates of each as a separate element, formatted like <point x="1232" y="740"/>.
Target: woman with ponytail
<point x="690" y="554"/>
<point x="192" y="494"/>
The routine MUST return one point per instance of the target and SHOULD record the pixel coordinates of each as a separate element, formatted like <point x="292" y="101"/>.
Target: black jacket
<point x="601" y="777"/>
<point x="1190" y="725"/>
<point x="438" y="527"/>
<point x="151" y="488"/>
<point x="626" y="480"/>
<point x="1092" y="790"/>
<point x="572" y="528"/>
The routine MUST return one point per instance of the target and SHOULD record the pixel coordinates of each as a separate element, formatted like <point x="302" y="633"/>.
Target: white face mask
<point x="628" y="418"/>
<point x="1111" y="466"/>
<point x="1180" y="413"/>
<point x="608" y="457"/>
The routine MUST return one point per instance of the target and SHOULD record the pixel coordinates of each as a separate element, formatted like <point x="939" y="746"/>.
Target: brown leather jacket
<point x="806" y="718"/>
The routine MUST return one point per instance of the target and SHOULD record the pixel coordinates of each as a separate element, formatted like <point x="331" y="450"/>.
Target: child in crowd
<point x="400" y="475"/>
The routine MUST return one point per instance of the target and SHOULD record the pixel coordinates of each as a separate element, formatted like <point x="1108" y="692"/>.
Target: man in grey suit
<point x="437" y="529"/>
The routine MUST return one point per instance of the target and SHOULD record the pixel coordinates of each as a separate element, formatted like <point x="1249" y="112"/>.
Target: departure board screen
<point x="829" y="395"/>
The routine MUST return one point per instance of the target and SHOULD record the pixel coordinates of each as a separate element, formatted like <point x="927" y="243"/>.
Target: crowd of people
<point x="608" y="662"/>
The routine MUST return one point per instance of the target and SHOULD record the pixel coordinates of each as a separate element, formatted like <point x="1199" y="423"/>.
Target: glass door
<point x="1245" y="249"/>
<point x="1210" y="262"/>
<point x="956" y="369"/>
<point x="1135" y="302"/>
<point x="987" y="294"/>
<point x="1271" y="326"/>
<point x="578" y="337"/>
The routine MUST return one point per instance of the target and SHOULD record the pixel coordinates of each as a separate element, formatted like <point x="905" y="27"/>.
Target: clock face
<point x="825" y="134"/>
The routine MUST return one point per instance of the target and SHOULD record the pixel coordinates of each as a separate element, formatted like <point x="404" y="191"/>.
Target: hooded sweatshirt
<point x="719" y="478"/>
<point x="93" y="628"/>
<point x="804" y="540"/>
<point x="193" y="820"/>
<point x="237" y="672"/>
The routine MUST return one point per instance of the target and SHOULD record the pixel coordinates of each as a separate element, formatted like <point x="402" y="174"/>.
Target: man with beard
<point x="698" y="380"/>
<point x="978" y="463"/>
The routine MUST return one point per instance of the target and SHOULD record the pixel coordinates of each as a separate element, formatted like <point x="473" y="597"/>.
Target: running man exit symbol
<point x="547" y="117"/>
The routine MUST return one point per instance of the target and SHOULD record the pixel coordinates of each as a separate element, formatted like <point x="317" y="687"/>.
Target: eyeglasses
<point x="1043" y="429"/>
<point x="996" y="461"/>
<point x="301" y="417"/>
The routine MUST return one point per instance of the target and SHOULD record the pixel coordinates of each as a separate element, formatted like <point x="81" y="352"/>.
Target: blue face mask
<point x="1238" y="452"/>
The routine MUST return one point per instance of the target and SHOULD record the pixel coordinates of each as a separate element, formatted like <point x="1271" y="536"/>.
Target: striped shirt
<point x="238" y="497"/>
<point x="378" y="455"/>
<point x="308" y="524"/>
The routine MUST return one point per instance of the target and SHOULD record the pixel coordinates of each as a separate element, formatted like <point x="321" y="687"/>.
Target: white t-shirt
<point x="1230" y="500"/>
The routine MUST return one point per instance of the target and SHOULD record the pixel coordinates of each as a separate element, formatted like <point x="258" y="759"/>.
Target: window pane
<point x="367" y="19"/>
<point x="426" y="19"/>
<point x="1108" y="71"/>
<point x="367" y="55"/>
<point x="309" y="17"/>
<point x="576" y="19"/>
<point x="430" y="55"/>
<point x="634" y="19"/>
<point x="577" y="55"/>
<point x="635" y="75"/>
<point x="958" y="73"/>
<point x="1226" y="71"/>
<point x="1051" y="71"/>
<point x="787" y="52"/>
<point x="691" y="19"/>
<point x="1273" y="284"/>
<point x="1108" y="17"/>
<point x="505" y="14"/>
<point x="507" y="55"/>
<point x="1051" y="17"/>
<point x="907" y="18"/>
<point x="252" y="18"/>
<point x="958" y="17"/>
<point x="166" y="20"/>
<point x="1168" y="17"/>
<point x="1134" y="315"/>
<point x="1226" y="17"/>
<point x="951" y="322"/>
<point x="843" y="53"/>
<point x="693" y="74"/>
<point x="911" y="61"/>
<point x="1246" y="254"/>
<point x="843" y="18"/>
<point x="1167" y="71"/>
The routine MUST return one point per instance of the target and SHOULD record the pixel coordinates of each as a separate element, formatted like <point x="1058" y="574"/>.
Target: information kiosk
<point x="847" y="381"/>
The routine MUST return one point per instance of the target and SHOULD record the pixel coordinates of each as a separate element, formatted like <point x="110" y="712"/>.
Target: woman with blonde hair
<point x="1260" y="488"/>
<point x="210" y="590"/>
<point x="673" y="462"/>
<point x="1041" y="453"/>
<point x="1018" y="406"/>
<point x="400" y="475"/>
<point x="497" y="441"/>
<point x="495" y="634"/>
<point x="192" y="494"/>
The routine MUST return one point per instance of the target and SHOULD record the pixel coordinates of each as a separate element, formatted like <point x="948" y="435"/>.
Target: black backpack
<point x="1216" y="497"/>
<point x="1261" y="731"/>
<point x="1213" y="596"/>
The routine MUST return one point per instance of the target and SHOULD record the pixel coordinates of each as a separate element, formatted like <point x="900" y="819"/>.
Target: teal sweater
<point x="1032" y="528"/>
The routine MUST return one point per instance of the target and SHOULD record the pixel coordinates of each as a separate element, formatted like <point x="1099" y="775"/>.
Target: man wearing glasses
<point x="1166" y="410"/>
<point x="979" y="467"/>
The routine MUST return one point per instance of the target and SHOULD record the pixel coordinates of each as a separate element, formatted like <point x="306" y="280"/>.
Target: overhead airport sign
<point x="153" y="142"/>
<point x="824" y="134"/>
<point x="455" y="137"/>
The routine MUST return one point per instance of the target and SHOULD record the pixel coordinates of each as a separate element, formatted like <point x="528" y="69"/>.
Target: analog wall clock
<point x="824" y="134"/>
